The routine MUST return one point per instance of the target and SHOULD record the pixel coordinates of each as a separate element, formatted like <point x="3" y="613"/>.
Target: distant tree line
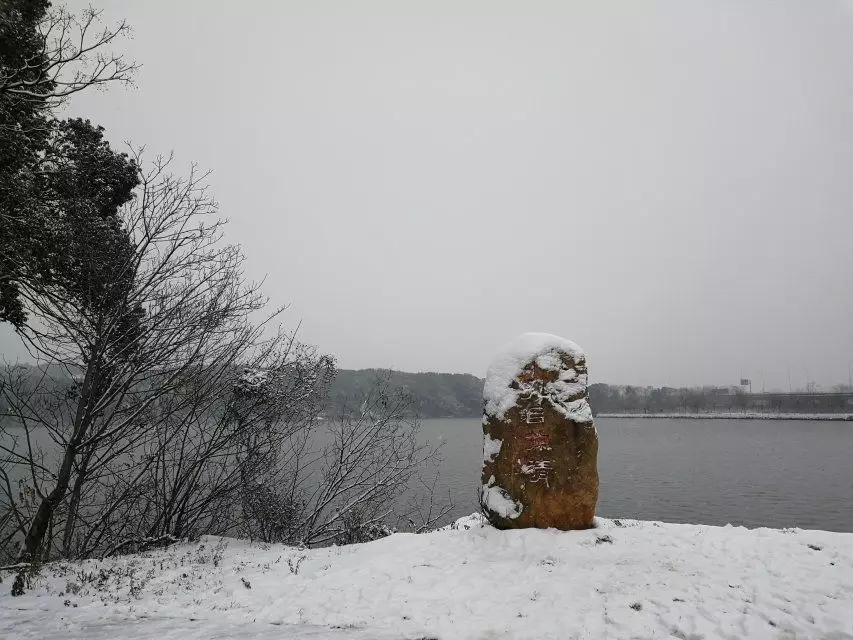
<point x="434" y="395"/>
<point x="605" y="398"/>
<point x="448" y="395"/>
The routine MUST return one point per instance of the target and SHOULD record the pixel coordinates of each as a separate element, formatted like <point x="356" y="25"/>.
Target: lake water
<point x="756" y="473"/>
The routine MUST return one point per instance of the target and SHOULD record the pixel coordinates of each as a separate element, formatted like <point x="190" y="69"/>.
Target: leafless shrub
<point x="340" y="481"/>
<point x="156" y="399"/>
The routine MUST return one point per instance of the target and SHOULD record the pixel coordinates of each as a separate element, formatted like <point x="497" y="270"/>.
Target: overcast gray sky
<point x="669" y="186"/>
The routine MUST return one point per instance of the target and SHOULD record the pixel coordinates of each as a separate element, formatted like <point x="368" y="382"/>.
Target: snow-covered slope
<point x="623" y="579"/>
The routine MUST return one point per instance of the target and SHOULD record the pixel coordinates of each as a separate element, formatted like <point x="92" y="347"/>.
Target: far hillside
<point x="435" y="395"/>
<point x="460" y="395"/>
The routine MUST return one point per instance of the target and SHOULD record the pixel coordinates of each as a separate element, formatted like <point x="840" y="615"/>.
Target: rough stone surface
<point x="540" y="447"/>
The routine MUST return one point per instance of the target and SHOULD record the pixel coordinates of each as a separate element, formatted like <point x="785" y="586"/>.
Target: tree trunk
<point x="44" y="515"/>
<point x="47" y="508"/>
<point x="70" y="521"/>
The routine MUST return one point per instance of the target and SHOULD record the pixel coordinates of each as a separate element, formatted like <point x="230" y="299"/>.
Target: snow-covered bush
<point x="354" y="529"/>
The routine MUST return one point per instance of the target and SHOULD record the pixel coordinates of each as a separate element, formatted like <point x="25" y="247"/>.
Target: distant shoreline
<point x="838" y="417"/>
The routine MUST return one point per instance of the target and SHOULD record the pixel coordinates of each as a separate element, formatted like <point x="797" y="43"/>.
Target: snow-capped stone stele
<point x="540" y="447"/>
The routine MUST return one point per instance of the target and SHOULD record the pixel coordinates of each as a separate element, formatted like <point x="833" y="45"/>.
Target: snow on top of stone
<point x="545" y="350"/>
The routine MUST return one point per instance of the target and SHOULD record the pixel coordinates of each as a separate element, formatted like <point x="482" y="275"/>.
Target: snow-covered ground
<point x="624" y="579"/>
<point x="736" y="415"/>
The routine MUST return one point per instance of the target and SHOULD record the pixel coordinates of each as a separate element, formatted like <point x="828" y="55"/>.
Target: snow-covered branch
<point x="72" y="55"/>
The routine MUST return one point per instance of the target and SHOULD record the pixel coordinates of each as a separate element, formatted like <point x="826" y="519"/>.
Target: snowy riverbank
<point x="624" y="579"/>
<point x="734" y="415"/>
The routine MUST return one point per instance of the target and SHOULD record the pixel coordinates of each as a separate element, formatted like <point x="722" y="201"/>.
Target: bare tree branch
<point x="73" y="56"/>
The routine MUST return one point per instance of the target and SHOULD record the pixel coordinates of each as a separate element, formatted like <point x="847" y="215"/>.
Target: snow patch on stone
<point x="577" y="410"/>
<point x="549" y="361"/>
<point x="498" y="501"/>
<point x="491" y="448"/>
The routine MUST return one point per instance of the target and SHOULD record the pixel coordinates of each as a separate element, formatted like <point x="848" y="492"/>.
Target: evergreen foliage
<point x="61" y="184"/>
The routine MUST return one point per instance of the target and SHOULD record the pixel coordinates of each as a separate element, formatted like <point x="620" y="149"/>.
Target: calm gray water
<point x="756" y="473"/>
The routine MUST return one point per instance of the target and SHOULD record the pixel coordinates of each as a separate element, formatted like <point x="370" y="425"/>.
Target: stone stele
<point x="540" y="447"/>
